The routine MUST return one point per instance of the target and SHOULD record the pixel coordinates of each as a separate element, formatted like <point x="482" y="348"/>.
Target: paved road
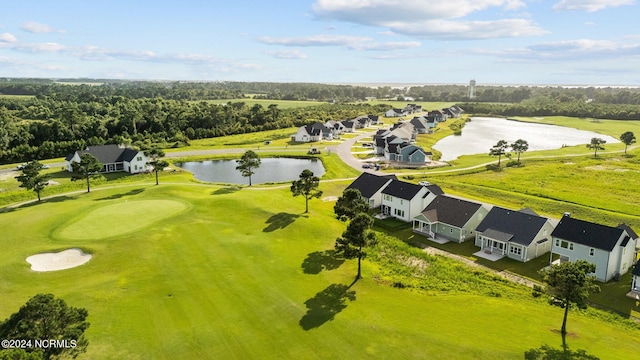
<point x="344" y="152"/>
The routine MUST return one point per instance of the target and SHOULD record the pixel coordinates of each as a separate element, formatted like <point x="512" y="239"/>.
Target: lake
<point x="482" y="133"/>
<point x="270" y="170"/>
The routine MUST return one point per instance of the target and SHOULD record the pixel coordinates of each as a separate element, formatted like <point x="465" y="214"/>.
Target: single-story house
<point x="313" y="132"/>
<point x="375" y="119"/>
<point x="115" y="158"/>
<point x="371" y="186"/>
<point x="420" y="124"/>
<point x="611" y="249"/>
<point x="362" y="121"/>
<point x="404" y="200"/>
<point x="521" y="235"/>
<point x="395" y="113"/>
<point x="349" y="125"/>
<point x="450" y="218"/>
<point x="336" y="127"/>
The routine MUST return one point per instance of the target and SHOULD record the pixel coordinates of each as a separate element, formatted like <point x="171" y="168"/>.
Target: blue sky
<point x="564" y="42"/>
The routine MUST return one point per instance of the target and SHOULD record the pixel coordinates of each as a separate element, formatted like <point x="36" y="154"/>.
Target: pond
<point x="270" y="170"/>
<point x="482" y="133"/>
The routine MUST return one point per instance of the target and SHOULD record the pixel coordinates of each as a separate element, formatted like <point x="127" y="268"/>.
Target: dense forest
<point x="45" y="118"/>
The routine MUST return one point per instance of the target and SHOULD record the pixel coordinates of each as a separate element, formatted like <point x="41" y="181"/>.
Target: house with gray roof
<point x="420" y="124"/>
<point x="371" y="186"/>
<point x="115" y="158"/>
<point x="313" y="132"/>
<point x="521" y="235"/>
<point x="449" y="218"/>
<point x="403" y="200"/>
<point x="611" y="249"/>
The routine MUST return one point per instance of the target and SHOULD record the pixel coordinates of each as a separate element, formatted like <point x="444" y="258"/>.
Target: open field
<point x="243" y="273"/>
<point x="598" y="190"/>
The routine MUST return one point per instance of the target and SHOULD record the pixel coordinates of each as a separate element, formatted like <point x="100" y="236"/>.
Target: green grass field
<point x="244" y="273"/>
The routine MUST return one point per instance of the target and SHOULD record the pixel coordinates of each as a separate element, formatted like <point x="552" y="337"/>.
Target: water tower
<point x="472" y="89"/>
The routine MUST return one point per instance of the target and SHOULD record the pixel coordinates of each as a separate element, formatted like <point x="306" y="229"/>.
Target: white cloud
<point x="316" y="40"/>
<point x="578" y="50"/>
<point x="7" y="38"/>
<point x="35" y="47"/>
<point x="458" y="30"/>
<point x="286" y="54"/>
<point x="431" y="18"/>
<point x="37" y="28"/>
<point x="376" y="12"/>
<point x="350" y="42"/>
<point x="590" y="5"/>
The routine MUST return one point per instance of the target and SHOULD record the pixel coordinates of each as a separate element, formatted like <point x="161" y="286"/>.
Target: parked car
<point x="22" y="166"/>
<point x="424" y="183"/>
<point x="367" y="166"/>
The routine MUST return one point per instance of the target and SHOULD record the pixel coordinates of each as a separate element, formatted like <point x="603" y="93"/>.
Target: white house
<point x="114" y="159"/>
<point x="611" y="249"/>
<point x="404" y="200"/>
<point x="371" y="186"/>
<point x="313" y="132"/>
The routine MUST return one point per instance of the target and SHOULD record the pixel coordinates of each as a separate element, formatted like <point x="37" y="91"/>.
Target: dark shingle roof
<point x="523" y="226"/>
<point x="587" y="233"/>
<point x="368" y="184"/>
<point x="636" y="270"/>
<point x="435" y="189"/>
<point x="629" y="230"/>
<point x="452" y="211"/>
<point x="402" y="190"/>
<point x="106" y="154"/>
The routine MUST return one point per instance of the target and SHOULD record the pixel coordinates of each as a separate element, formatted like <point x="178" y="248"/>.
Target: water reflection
<point x="271" y="170"/>
<point x="481" y="133"/>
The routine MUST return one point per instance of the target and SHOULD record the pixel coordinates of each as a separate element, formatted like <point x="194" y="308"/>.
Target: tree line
<point x="46" y="127"/>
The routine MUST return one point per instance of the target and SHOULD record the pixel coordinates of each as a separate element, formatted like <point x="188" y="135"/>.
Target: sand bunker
<point x="65" y="259"/>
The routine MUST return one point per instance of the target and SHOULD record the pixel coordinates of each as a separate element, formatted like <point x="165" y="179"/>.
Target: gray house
<point x="521" y="235"/>
<point x="611" y="249"/>
<point x="450" y="218"/>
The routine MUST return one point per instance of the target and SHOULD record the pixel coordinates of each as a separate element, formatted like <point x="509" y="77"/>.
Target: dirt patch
<point x="9" y="175"/>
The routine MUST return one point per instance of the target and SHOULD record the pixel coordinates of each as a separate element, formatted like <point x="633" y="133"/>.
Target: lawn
<point x="555" y="186"/>
<point x="228" y="272"/>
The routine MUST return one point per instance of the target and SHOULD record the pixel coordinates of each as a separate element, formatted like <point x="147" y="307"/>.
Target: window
<point x="387" y="197"/>
<point x="401" y="202"/>
<point x="564" y="244"/>
<point x="139" y="158"/>
<point x="544" y="232"/>
<point x="592" y="252"/>
<point x="516" y="250"/>
<point x="398" y="212"/>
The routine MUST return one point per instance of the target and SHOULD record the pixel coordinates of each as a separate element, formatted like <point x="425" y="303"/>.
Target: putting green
<point x="117" y="219"/>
